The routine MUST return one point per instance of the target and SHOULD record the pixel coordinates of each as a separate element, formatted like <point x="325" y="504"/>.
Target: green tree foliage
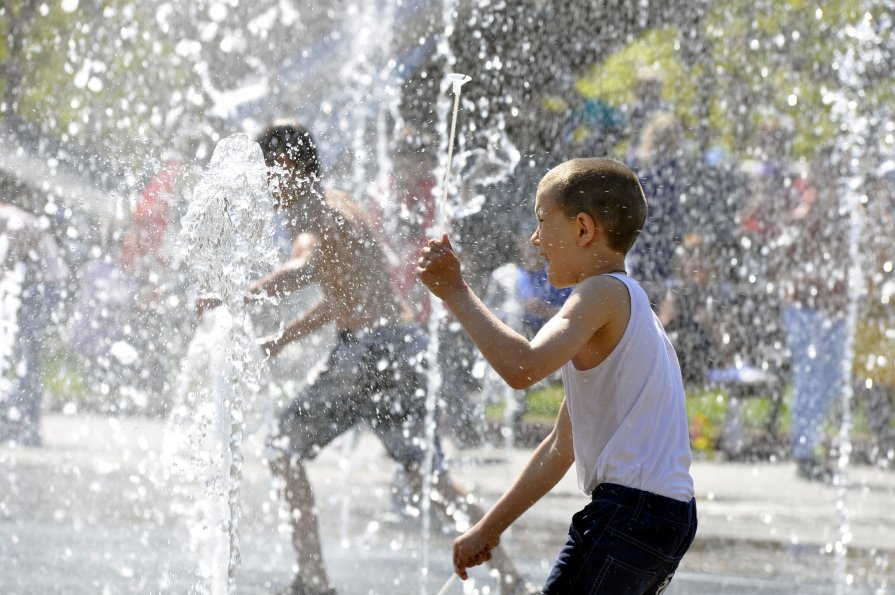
<point x="614" y="80"/>
<point x="768" y="62"/>
<point x="773" y="61"/>
<point x="102" y="76"/>
<point x="130" y="80"/>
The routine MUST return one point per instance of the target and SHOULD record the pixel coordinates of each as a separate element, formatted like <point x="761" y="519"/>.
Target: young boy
<point x="623" y="422"/>
<point x="375" y="371"/>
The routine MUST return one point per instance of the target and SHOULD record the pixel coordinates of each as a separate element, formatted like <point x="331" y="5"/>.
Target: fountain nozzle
<point x="458" y="80"/>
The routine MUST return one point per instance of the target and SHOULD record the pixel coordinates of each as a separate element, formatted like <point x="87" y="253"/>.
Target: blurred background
<point x="763" y="133"/>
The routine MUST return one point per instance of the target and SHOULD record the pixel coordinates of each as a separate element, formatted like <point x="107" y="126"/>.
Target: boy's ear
<point x="588" y="228"/>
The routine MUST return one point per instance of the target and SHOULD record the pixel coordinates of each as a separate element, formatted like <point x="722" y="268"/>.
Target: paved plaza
<point x="82" y="514"/>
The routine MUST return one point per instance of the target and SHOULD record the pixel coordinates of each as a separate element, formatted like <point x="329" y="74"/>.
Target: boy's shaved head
<point x="606" y="190"/>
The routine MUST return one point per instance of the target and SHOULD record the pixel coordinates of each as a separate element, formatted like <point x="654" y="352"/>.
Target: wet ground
<point x="81" y="515"/>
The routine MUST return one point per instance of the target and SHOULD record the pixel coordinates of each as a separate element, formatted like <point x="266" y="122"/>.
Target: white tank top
<point x="629" y="420"/>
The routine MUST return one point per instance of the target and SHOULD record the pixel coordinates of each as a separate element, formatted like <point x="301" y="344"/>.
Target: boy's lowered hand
<point x="471" y="549"/>
<point x="439" y="268"/>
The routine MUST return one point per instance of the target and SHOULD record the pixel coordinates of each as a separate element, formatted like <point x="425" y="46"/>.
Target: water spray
<point x="447" y="585"/>
<point x="226" y="232"/>
<point x="457" y="81"/>
<point x="433" y="383"/>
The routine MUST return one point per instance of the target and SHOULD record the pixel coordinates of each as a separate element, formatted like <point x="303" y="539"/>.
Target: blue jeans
<point x="38" y="301"/>
<point x="625" y="541"/>
<point x="817" y="345"/>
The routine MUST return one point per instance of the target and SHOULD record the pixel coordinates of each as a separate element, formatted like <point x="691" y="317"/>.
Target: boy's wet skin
<point x="334" y="248"/>
<point x="374" y="374"/>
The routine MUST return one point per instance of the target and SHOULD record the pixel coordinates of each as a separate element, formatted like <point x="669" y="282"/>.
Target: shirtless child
<point x="335" y="248"/>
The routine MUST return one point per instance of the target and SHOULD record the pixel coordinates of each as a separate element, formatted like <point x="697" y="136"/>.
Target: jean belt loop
<point x="641" y="500"/>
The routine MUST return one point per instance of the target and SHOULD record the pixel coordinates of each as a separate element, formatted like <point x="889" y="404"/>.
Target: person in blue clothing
<point x="811" y="267"/>
<point x="539" y="300"/>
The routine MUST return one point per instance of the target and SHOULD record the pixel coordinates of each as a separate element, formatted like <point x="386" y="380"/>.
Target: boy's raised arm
<point x="292" y="275"/>
<point x="520" y="362"/>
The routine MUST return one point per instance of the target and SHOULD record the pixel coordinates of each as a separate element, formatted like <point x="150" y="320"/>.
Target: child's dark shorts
<point x="625" y="541"/>
<point x="375" y="376"/>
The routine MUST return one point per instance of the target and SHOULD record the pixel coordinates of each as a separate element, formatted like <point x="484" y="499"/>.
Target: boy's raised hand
<point x="439" y="268"/>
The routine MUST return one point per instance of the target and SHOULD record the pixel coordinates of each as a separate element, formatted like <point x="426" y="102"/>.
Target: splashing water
<point x="565" y="78"/>
<point x="457" y="81"/>
<point x="226" y="239"/>
<point x="228" y="227"/>
<point x="437" y="312"/>
<point x="434" y="377"/>
<point x="851" y="147"/>
<point x="484" y="167"/>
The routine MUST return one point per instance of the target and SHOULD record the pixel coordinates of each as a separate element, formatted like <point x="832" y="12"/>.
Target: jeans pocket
<point x="590" y="522"/>
<point x="661" y="538"/>
<point x="617" y="577"/>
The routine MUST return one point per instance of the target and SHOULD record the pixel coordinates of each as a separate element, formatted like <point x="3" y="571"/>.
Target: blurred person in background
<point x="128" y="324"/>
<point x="519" y="293"/>
<point x="408" y="214"/>
<point x="874" y="349"/>
<point x="772" y="185"/>
<point x="659" y="165"/>
<point x="31" y="276"/>
<point x="149" y="251"/>
<point x="811" y="255"/>
<point x="691" y="313"/>
<point x="698" y="311"/>
<point x="647" y="102"/>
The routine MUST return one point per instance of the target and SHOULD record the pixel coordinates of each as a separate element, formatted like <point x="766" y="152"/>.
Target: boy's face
<point x="288" y="182"/>
<point x="555" y="237"/>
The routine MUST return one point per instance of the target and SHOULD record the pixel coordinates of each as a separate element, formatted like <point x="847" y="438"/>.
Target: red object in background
<point x="153" y="211"/>
<point x="420" y="201"/>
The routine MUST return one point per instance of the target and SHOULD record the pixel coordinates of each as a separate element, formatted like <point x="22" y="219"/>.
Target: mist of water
<point x="530" y="62"/>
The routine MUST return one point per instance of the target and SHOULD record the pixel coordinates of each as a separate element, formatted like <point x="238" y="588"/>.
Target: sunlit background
<point x="764" y="136"/>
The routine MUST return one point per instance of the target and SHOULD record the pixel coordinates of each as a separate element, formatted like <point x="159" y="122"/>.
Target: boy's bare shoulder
<point x="605" y="284"/>
<point x="344" y="204"/>
<point x="602" y="291"/>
